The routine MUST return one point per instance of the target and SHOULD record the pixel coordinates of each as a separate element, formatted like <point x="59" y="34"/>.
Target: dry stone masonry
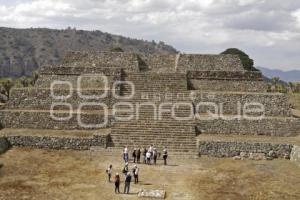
<point x="161" y="95"/>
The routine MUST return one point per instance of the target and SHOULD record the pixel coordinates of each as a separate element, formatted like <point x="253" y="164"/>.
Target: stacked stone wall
<point x="231" y="149"/>
<point x="198" y="62"/>
<point x="225" y="75"/>
<point x="61" y="142"/>
<point x="228" y="85"/>
<point x="266" y="126"/>
<point x="40" y="98"/>
<point x="274" y="104"/>
<point x="43" y="120"/>
<point x="103" y="59"/>
<point x="159" y="63"/>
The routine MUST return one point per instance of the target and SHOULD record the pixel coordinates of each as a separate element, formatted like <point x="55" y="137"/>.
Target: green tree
<point x="34" y="77"/>
<point x="25" y="81"/>
<point x="275" y="80"/>
<point x="116" y="49"/>
<point x="6" y="84"/>
<point x="247" y="62"/>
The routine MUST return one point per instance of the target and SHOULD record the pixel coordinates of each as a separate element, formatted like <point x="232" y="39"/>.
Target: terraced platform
<point x="69" y="101"/>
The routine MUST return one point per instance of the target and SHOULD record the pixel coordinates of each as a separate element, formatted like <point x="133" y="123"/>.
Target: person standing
<point x="155" y="155"/>
<point x="144" y="155"/>
<point x="136" y="174"/>
<point x="148" y="156"/>
<point x="165" y="155"/>
<point x="134" y="155"/>
<point x="151" y="150"/>
<point x="117" y="183"/>
<point x="109" y="172"/>
<point x="138" y="155"/>
<point x="127" y="183"/>
<point x="125" y="154"/>
<point x="125" y="169"/>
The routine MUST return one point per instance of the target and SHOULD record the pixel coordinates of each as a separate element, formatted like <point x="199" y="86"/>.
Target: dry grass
<point x="45" y="174"/>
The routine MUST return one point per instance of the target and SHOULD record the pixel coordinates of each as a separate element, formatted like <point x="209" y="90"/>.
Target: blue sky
<point x="268" y="30"/>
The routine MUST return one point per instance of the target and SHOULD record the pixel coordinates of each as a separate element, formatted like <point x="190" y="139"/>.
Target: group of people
<point x="148" y="155"/>
<point x="128" y="176"/>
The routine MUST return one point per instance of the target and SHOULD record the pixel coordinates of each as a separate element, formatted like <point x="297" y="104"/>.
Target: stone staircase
<point x="145" y="128"/>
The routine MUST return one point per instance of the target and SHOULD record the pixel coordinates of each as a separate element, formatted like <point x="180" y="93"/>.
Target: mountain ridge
<point x="287" y="76"/>
<point x="24" y="50"/>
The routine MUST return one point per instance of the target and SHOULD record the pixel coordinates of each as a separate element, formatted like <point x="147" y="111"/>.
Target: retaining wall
<point x="198" y="62"/>
<point x="266" y="126"/>
<point x="231" y="149"/>
<point x="275" y="104"/>
<point x="62" y="142"/>
<point x="43" y="120"/>
<point x="228" y="85"/>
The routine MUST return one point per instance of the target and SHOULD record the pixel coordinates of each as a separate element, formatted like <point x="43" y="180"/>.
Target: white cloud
<point x="261" y="27"/>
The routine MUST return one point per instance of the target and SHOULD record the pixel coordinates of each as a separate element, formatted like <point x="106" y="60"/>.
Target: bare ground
<point x="50" y="174"/>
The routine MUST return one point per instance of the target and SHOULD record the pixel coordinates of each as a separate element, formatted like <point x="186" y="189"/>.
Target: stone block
<point x="146" y="193"/>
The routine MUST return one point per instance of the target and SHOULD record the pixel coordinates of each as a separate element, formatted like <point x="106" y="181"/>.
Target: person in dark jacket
<point x="127" y="183"/>
<point x="117" y="183"/>
<point x="125" y="169"/>
<point x="155" y="153"/>
<point x="136" y="172"/>
<point x="134" y="155"/>
<point x="138" y="155"/>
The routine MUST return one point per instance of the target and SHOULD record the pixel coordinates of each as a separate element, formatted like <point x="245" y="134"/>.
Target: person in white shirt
<point x="148" y="156"/>
<point x="125" y="154"/>
<point x="151" y="150"/>
<point x="109" y="172"/>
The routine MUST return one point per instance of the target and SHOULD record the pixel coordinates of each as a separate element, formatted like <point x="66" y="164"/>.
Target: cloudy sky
<point x="268" y="30"/>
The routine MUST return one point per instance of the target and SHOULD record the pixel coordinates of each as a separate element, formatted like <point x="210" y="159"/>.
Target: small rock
<point x="286" y="156"/>
<point x="269" y="158"/>
<point x="257" y="156"/>
<point x="237" y="158"/>
<point x="243" y="155"/>
<point x="272" y="154"/>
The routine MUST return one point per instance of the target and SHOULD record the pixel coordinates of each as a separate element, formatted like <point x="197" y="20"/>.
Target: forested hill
<point x="24" y="50"/>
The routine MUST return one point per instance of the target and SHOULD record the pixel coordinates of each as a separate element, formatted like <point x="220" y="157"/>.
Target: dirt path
<point x="41" y="174"/>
